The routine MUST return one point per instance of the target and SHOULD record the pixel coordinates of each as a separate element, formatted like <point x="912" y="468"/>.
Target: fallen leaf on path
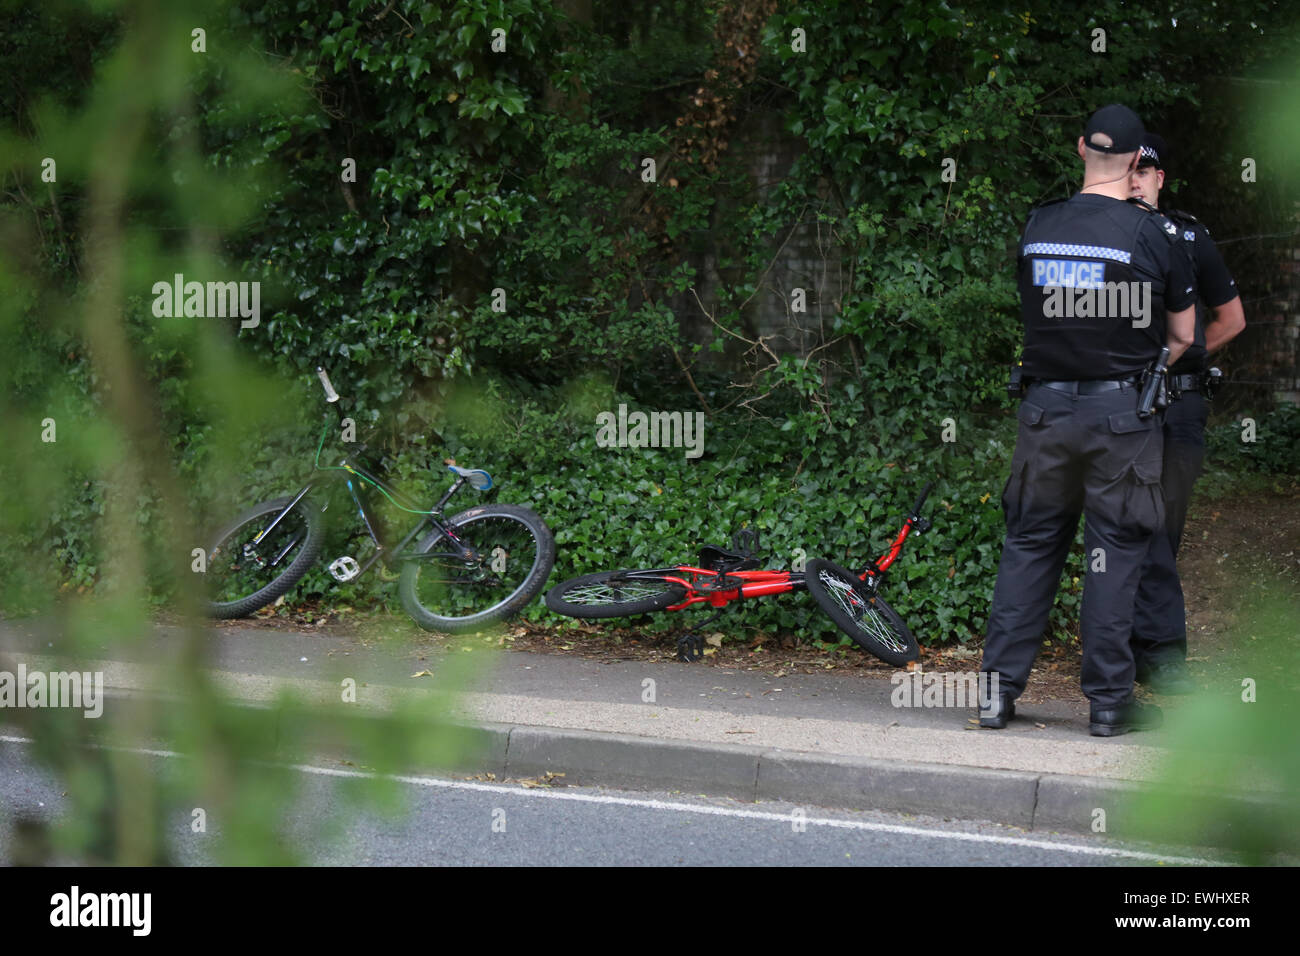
<point x="547" y="779"/>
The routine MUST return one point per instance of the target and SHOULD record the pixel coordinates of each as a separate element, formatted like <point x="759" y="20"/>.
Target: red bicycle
<point x="731" y="574"/>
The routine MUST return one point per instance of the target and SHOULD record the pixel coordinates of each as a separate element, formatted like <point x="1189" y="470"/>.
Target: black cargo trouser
<point x="1159" y="617"/>
<point x="1076" y="454"/>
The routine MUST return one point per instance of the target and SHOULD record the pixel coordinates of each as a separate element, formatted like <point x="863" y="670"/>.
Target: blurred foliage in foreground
<point x="1238" y="740"/>
<point x="95" y="390"/>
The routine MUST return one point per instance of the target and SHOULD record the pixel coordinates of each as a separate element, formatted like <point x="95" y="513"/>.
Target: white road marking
<point x="863" y="825"/>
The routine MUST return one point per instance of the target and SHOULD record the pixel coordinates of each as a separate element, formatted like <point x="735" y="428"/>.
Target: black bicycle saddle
<point x="740" y="557"/>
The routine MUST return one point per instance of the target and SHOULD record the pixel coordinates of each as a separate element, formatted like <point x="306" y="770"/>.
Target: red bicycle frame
<point x="754" y="584"/>
<point x="874" y="571"/>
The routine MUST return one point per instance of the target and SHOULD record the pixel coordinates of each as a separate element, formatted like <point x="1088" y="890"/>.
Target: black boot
<point x="1166" y="677"/>
<point x="999" y="712"/>
<point x="1113" y="721"/>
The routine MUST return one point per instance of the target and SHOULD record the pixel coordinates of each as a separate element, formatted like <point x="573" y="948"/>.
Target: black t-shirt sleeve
<point x="1177" y="267"/>
<point x="1215" y="284"/>
<point x="1157" y="256"/>
<point x="1180" y="282"/>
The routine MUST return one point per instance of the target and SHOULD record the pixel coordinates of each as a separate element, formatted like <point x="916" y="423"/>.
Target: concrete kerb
<point x="1031" y="801"/>
<point x="860" y="783"/>
<point x="622" y="760"/>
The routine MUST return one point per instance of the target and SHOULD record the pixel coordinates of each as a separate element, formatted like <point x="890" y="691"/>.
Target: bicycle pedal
<point x="344" y="568"/>
<point x="690" y="648"/>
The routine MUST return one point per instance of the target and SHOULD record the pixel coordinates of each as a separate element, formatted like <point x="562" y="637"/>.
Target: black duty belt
<point x="1089" y="387"/>
<point x="1187" y="383"/>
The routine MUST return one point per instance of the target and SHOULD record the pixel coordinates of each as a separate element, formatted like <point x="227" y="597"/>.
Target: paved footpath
<point x="832" y="740"/>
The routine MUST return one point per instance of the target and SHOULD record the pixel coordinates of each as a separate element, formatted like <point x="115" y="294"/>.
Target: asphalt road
<point x="456" y="822"/>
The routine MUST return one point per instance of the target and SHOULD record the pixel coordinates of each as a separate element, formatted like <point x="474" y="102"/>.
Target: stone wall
<point x="1279" y="355"/>
<point x="1262" y="365"/>
<point x="803" y="256"/>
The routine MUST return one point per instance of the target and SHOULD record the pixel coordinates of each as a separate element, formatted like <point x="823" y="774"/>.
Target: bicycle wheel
<point x="443" y="593"/>
<point x="866" y="618"/>
<point x="243" y="576"/>
<point x="613" y="594"/>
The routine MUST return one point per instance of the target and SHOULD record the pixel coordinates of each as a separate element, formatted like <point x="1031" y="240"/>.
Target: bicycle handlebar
<point x="925" y="493"/>
<point x="331" y="396"/>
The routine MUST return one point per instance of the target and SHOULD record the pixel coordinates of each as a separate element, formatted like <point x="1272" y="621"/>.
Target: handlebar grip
<point x="331" y="396"/>
<point x="925" y="493"/>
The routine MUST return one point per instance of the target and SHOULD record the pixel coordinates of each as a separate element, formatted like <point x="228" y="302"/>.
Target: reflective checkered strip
<point x="1090" y="252"/>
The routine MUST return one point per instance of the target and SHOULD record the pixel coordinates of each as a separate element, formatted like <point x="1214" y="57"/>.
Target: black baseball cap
<point x="1154" y="151"/>
<point x="1119" y="123"/>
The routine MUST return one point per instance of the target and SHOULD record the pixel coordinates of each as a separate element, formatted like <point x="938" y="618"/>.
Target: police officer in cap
<point x="1159" y="620"/>
<point x="1096" y="275"/>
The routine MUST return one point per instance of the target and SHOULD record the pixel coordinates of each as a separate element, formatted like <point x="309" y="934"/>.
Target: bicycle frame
<point x="753" y="584"/>
<point x="874" y="572"/>
<point x="370" y="520"/>
<point x="390" y="555"/>
<point x="761" y="583"/>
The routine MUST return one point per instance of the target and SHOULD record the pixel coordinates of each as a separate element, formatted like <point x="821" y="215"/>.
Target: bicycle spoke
<point x="882" y="632"/>
<point x="456" y="588"/>
<point x="248" y="567"/>
<point x="610" y="593"/>
<point x="863" y="614"/>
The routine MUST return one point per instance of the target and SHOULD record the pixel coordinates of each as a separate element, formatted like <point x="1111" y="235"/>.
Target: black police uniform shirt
<point x="1214" y="285"/>
<point x="1096" y="276"/>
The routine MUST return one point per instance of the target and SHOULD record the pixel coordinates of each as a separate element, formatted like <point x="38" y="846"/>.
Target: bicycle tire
<point x="866" y="618"/>
<point x="448" y="591"/>
<point x="305" y="519"/>
<point x="607" y="594"/>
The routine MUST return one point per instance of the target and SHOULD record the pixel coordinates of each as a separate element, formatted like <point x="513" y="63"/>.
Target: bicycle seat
<point x="477" y="477"/>
<point x="724" y="561"/>
<point x="740" y="557"/>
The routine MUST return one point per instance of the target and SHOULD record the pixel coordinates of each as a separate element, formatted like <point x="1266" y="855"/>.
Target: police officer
<point x="1159" y="620"/>
<point x="1096" y="276"/>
